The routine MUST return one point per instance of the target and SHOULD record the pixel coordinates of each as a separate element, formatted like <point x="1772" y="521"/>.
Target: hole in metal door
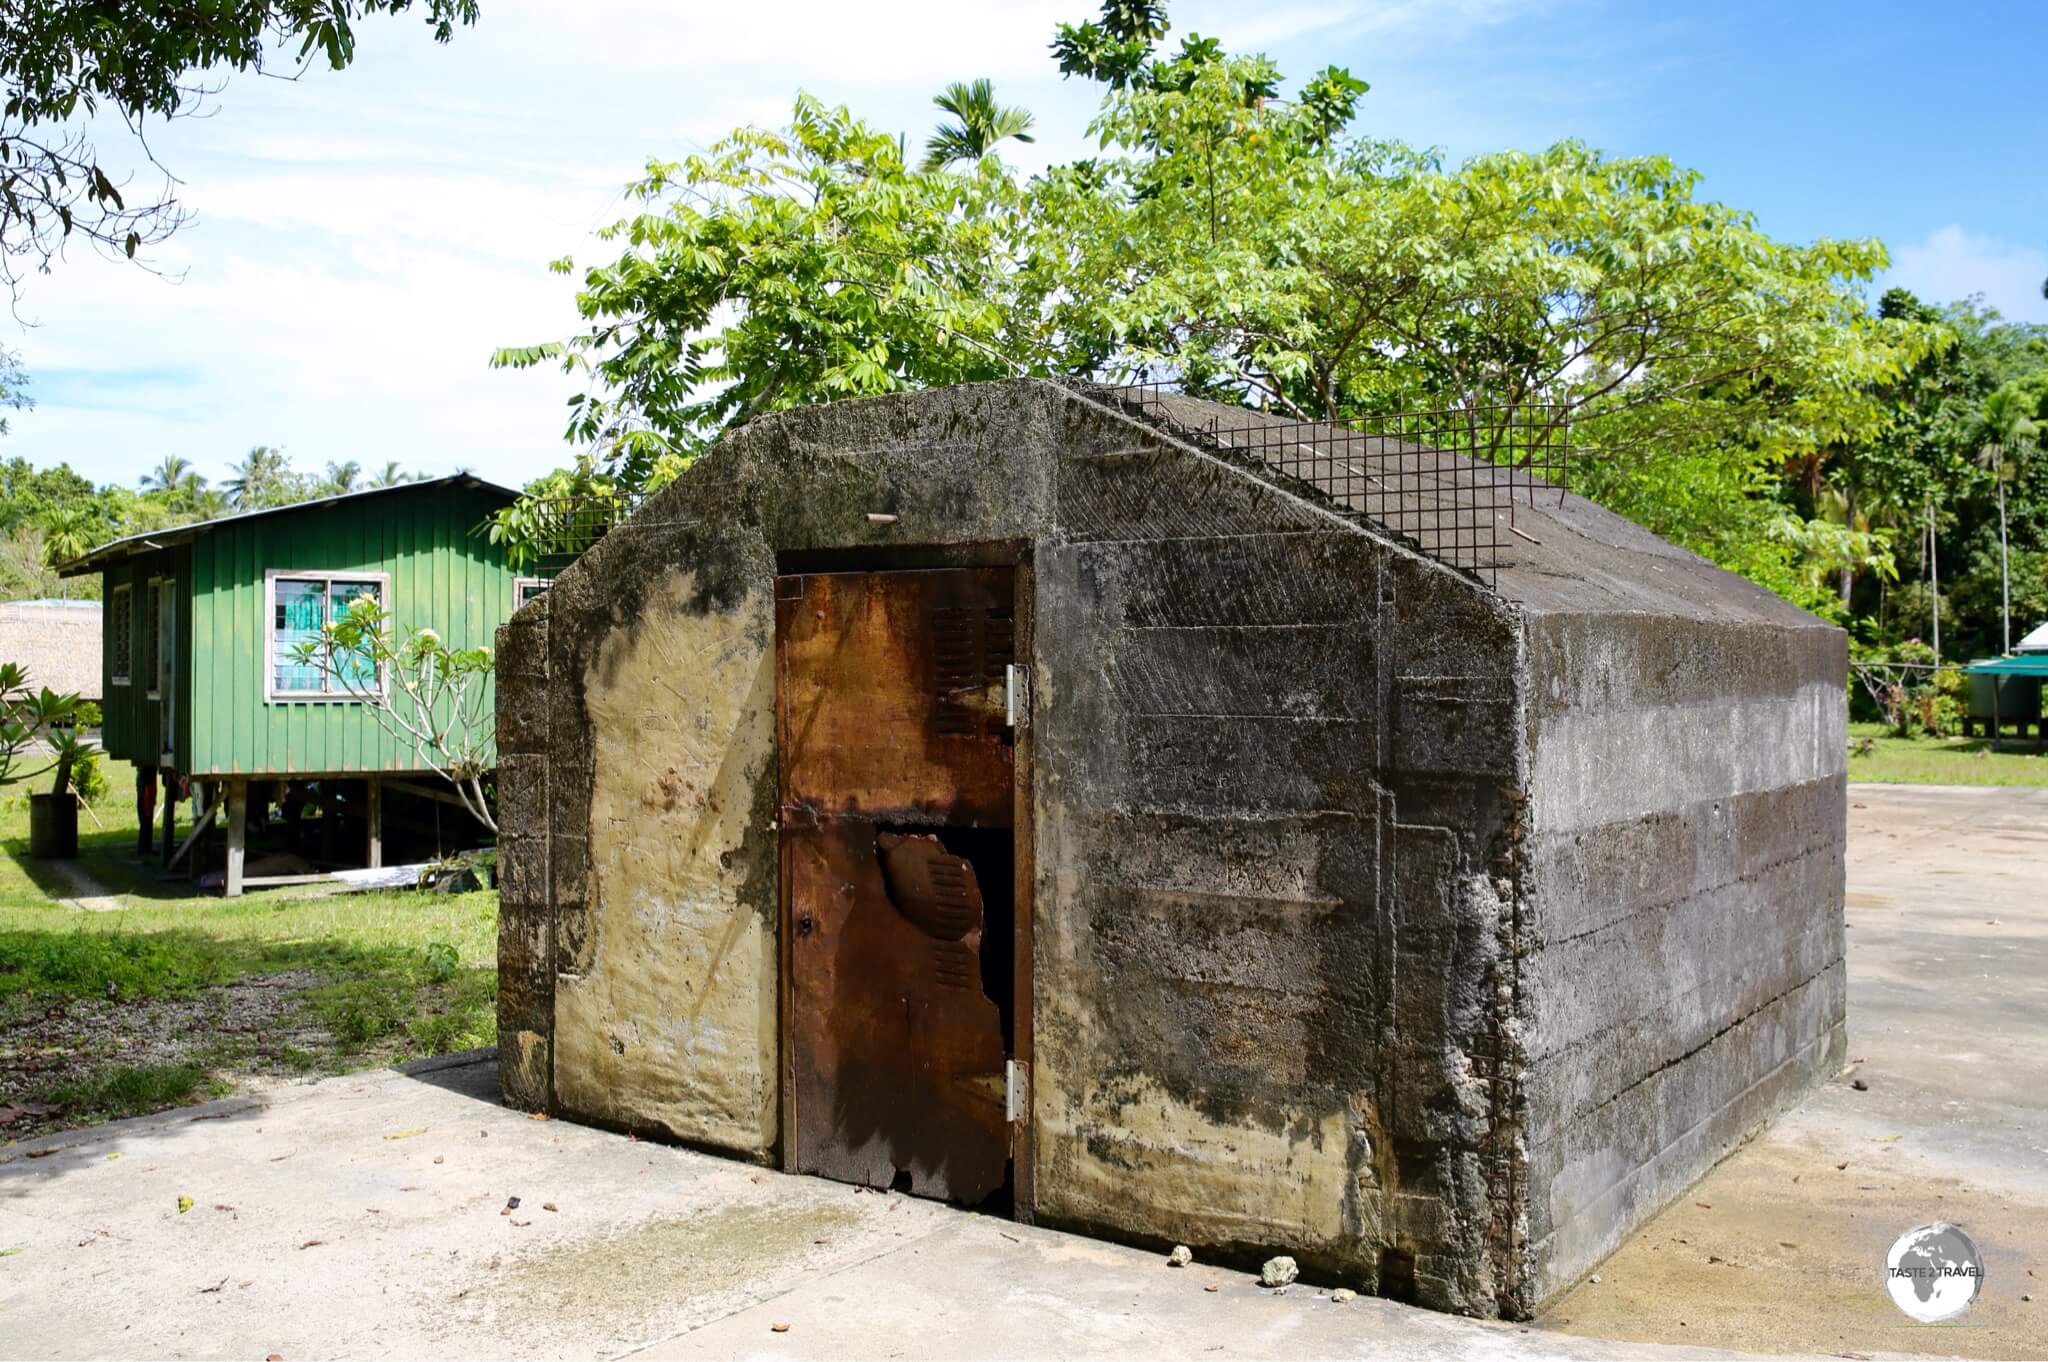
<point x="899" y="853"/>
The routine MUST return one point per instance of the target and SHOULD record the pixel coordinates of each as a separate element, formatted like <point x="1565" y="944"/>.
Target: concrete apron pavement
<point x="1781" y="1247"/>
<point x="366" y="1217"/>
<point x="360" y="1216"/>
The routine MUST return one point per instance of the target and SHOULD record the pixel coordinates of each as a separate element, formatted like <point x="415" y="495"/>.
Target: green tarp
<point x="2029" y="664"/>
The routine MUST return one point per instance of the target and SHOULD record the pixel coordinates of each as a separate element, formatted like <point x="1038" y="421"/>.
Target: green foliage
<point x="979" y="123"/>
<point x="37" y="719"/>
<point x="130" y="1090"/>
<point x="441" y="962"/>
<point x="92" y="964"/>
<point x="780" y="268"/>
<point x="432" y="698"/>
<point x="433" y="1009"/>
<point x="1734" y="393"/>
<point x="89" y="777"/>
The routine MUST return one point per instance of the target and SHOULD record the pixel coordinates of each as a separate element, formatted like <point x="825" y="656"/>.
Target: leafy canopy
<point x="1253" y="247"/>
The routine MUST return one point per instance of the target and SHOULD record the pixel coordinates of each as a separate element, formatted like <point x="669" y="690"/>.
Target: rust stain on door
<point x="896" y="823"/>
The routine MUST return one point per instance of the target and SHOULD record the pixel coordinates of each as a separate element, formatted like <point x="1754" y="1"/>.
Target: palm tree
<point x="390" y="476"/>
<point x="2004" y="436"/>
<point x="70" y="534"/>
<point x="166" y="476"/>
<point x="979" y="123"/>
<point x="341" y="477"/>
<point x="259" y="479"/>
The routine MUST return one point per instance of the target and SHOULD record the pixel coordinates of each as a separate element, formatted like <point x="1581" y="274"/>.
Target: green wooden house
<point x="204" y="684"/>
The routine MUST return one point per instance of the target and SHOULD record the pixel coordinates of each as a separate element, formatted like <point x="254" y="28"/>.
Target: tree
<point x="2005" y="436"/>
<point x="979" y="123"/>
<point x="780" y="268"/>
<point x="168" y="475"/>
<point x="1253" y="249"/>
<point x="391" y="475"/>
<point x="64" y="63"/>
<point x="341" y="477"/>
<point x="263" y="478"/>
<point x="71" y="534"/>
<point x="433" y="698"/>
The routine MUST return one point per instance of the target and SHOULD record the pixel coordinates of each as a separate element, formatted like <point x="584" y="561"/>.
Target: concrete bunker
<point x="1018" y="794"/>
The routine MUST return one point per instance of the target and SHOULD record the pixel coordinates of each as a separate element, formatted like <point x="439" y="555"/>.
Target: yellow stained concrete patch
<point x="1131" y="1155"/>
<point x="672" y="1023"/>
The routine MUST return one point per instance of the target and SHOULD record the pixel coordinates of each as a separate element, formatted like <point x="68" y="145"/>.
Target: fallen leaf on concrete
<point x="549" y="1206"/>
<point x="312" y="1243"/>
<point x="778" y="1328"/>
<point x="273" y="1357"/>
<point x="184" y="1204"/>
<point x="406" y="1134"/>
<point x="1855" y="1357"/>
<point x="1704" y="1205"/>
<point x="521" y="1224"/>
<point x="1343" y="1294"/>
<point x="1212" y="1287"/>
<point x="40" y="1153"/>
<point x="213" y="1290"/>
<point x="536" y="1116"/>
<point x="10" y="1252"/>
<point x="1840" y="1166"/>
<point x="1786" y="1243"/>
<point x="1005" y="1233"/>
<point x="440" y="1158"/>
<point x="115" y="1155"/>
<point x="1884" y="1139"/>
<point x="1715" y="1258"/>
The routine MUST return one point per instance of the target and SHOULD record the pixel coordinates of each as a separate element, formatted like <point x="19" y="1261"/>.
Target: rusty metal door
<point x="897" y="817"/>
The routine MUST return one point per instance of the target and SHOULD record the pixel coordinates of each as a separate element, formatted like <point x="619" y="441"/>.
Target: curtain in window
<point x="358" y="670"/>
<point x="300" y="617"/>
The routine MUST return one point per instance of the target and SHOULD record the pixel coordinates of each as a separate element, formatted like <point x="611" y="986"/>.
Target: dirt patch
<point x="251" y="1030"/>
<point x="1779" y="1251"/>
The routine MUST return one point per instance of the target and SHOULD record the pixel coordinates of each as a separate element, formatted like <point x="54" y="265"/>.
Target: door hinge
<point x="1016" y="695"/>
<point x="1016" y="1090"/>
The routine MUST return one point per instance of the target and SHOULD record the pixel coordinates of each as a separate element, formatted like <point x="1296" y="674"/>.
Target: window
<point x="300" y="606"/>
<point x="152" y="638"/>
<point x="121" y="634"/>
<point x="525" y="589"/>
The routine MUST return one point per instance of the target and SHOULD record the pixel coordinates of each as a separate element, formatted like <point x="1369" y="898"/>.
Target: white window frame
<point x="519" y="584"/>
<point x="124" y="592"/>
<point x="271" y="694"/>
<point x="153" y="636"/>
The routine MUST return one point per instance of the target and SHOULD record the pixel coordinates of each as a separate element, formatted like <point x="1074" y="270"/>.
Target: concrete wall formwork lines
<point x="1327" y="842"/>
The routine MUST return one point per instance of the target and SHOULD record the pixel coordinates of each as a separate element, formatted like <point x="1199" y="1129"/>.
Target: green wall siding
<point x="443" y="576"/>
<point x="132" y="730"/>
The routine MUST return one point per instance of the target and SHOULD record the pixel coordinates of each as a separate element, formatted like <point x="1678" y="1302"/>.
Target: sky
<point x="362" y="240"/>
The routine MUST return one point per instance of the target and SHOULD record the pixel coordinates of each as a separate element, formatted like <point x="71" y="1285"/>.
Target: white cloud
<point x="363" y="240"/>
<point x="1953" y="263"/>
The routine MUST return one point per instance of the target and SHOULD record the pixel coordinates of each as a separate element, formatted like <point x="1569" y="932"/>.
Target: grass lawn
<point x="156" y="995"/>
<point x="1940" y="761"/>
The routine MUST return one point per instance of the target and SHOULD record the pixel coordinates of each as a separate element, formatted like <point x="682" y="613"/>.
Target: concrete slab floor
<point x="367" y="1217"/>
<point x="1782" y="1246"/>
<point x="361" y="1216"/>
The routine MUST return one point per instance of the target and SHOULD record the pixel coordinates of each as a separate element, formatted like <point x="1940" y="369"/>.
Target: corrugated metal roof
<point x="153" y="540"/>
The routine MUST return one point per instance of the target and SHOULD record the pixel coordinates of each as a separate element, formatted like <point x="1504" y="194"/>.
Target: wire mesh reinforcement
<point x="1445" y="483"/>
<point x="564" y="528"/>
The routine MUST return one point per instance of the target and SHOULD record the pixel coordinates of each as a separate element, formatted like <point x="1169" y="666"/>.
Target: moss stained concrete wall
<point x="1304" y="811"/>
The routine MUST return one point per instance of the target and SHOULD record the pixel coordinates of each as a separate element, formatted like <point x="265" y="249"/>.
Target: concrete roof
<point x="1570" y="556"/>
